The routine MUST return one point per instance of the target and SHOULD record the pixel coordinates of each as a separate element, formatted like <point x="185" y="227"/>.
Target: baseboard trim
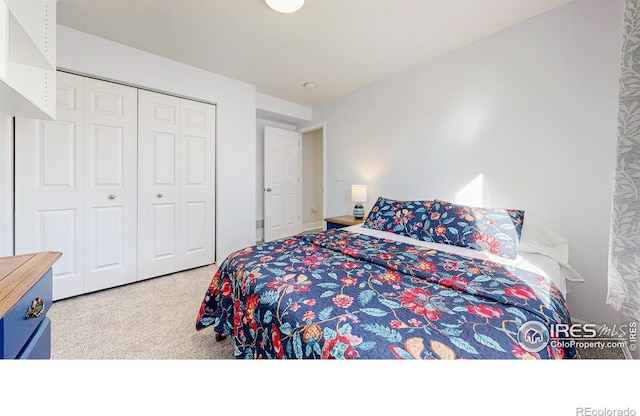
<point x="312" y="226"/>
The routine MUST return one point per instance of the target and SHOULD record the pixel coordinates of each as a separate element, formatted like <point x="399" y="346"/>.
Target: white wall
<point x="6" y="183"/>
<point x="236" y="120"/>
<point x="533" y="109"/>
<point x="281" y="111"/>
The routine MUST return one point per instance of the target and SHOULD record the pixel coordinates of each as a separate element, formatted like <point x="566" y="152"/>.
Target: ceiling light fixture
<point x="285" y="6"/>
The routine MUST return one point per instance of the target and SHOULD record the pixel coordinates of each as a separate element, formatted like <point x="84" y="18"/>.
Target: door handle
<point x="268" y="189"/>
<point x="112" y="197"/>
<point x="160" y="195"/>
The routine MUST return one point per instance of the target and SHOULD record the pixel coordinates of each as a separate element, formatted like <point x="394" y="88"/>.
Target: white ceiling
<point x="340" y="45"/>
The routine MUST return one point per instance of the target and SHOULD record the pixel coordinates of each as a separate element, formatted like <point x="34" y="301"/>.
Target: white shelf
<point x="28" y="57"/>
<point x="23" y="49"/>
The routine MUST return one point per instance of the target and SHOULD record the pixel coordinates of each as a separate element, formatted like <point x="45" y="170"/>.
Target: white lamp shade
<point x="358" y="193"/>
<point x="285" y="6"/>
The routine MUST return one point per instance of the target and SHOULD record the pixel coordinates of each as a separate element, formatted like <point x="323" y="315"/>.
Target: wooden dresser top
<point x="19" y="273"/>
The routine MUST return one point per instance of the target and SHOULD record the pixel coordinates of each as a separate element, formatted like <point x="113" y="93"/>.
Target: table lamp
<point x="358" y="195"/>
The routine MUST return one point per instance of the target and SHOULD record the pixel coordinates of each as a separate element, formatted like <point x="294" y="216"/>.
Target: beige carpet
<point x="601" y="354"/>
<point x="152" y="319"/>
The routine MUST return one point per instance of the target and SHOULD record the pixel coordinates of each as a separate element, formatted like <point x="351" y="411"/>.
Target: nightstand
<point x="342" y="221"/>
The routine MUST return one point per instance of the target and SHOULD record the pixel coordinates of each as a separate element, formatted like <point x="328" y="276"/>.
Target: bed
<point x="399" y="287"/>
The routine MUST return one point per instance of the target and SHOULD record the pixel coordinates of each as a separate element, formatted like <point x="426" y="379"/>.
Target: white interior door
<point x="110" y="184"/>
<point x="197" y="190"/>
<point x="49" y="186"/>
<point x="158" y="184"/>
<point x="282" y="191"/>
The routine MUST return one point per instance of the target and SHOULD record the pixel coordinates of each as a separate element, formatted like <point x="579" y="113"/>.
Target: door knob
<point x="268" y="189"/>
<point x="112" y="197"/>
<point x="160" y="195"/>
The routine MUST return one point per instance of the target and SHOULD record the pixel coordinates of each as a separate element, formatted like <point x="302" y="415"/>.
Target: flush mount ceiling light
<point x="285" y="6"/>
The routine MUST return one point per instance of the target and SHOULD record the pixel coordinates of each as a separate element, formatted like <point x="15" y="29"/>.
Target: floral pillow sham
<point x="491" y="230"/>
<point x="399" y="217"/>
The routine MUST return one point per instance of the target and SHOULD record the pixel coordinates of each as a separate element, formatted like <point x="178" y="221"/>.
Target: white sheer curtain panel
<point x="624" y="252"/>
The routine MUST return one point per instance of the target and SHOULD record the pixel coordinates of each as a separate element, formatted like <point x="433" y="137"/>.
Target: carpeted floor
<point x="153" y="319"/>
<point x="601" y="354"/>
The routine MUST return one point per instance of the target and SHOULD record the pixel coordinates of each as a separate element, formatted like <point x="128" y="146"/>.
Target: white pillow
<point x="540" y="240"/>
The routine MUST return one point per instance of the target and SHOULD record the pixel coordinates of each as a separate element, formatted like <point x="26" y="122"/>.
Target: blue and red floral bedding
<point x="338" y="294"/>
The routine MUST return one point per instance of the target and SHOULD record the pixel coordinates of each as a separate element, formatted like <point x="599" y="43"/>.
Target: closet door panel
<point x="110" y="184"/>
<point x="197" y="197"/>
<point x="49" y="186"/>
<point x="108" y="225"/>
<point x="196" y="216"/>
<point x="158" y="184"/>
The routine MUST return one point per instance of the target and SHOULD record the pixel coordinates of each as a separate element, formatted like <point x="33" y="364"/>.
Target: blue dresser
<point x="25" y="297"/>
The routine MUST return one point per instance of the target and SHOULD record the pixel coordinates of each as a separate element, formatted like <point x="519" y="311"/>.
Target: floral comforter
<point x="338" y="294"/>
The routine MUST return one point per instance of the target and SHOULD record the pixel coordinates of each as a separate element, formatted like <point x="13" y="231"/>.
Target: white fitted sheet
<point x="534" y="262"/>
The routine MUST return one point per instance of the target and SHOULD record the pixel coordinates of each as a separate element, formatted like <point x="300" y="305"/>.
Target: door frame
<point x="307" y="129"/>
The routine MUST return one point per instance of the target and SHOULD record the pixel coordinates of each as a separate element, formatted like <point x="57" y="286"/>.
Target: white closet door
<point x="121" y="201"/>
<point x="110" y="184"/>
<point x="49" y="186"/>
<point x="197" y="196"/>
<point x="158" y="184"/>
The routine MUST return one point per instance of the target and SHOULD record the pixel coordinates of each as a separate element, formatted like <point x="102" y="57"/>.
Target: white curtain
<point x="624" y="252"/>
